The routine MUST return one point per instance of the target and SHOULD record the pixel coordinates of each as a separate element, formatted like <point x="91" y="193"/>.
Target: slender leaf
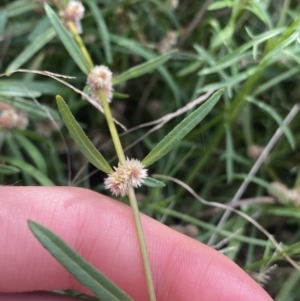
<point x="136" y="48"/>
<point x="82" y="141"/>
<point x="150" y="182"/>
<point x="83" y="271"/>
<point x="142" y="68"/>
<point x="272" y="112"/>
<point x="14" y="149"/>
<point x="41" y="27"/>
<point x="102" y="29"/>
<point x="208" y="226"/>
<point x="67" y="40"/>
<point x="3" y="20"/>
<point x="31" y="49"/>
<point x="48" y="87"/>
<point x="8" y="170"/>
<point x="28" y="169"/>
<point x="32" y="152"/>
<point x="16" y="8"/>
<point x="17" y="91"/>
<point x="257" y="8"/>
<point x="229" y="154"/>
<point x="181" y="130"/>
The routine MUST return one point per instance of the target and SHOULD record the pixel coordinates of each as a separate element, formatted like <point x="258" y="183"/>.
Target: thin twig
<point x="250" y="201"/>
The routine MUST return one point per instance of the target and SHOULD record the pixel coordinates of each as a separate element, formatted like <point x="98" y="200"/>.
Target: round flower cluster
<point x="167" y="42"/>
<point x="74" y="12"/>
<point x="12" y="118"/>
<point x="100" y="77"/>
<point x="131" y="172"/>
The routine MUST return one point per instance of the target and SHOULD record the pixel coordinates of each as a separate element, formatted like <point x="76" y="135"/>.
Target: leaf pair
<point x="161" y="149"/>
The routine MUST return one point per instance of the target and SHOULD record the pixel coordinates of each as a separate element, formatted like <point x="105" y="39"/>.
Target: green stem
<point x="142" y="243"/>
<point x="112" y="127"/>
<point x="131" y="195"/>
<point x="80" y="43"/>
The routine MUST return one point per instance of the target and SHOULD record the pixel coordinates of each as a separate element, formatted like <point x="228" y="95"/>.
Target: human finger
<point x="102" y="230"/>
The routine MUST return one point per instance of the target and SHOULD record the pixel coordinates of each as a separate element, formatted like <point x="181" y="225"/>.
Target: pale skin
<point x="102" y="231"/>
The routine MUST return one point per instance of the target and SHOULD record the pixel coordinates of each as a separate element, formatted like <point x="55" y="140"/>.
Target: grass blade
<point x="102" y="29"/>
<point x="16" y="8"/>
<point x="142" y="68"/>
<point x="29" y="170"/>
<point x="17" y="91"/>
<point x="84" y="272"/>
<point x="67" y="40"/>
<point x="265" y="107"/>
<point x="82" y="141"/>
<point x="182" y="129"/>
<point x="150" y="182"/>
<point x="31" y="49"/>
<point x="148" y="55"/>
<point x="8" y="170"/>
<point x="32" y="152"/>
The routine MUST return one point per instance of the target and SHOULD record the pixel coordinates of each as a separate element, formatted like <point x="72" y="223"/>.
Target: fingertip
<point x="102" y="231"/>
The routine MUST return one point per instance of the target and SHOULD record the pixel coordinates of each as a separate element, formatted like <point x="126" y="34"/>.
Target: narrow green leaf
<point x="229" y="154"/>
<point x="16" y="8"/>
<point x="31" y="49"/>
<point x="8" y="170"/>
<point x="83" y="271"/>
<point x="14" y="150"/>
<point x="102" y="29"/>
<point x="257" y="9"/>
<point x="28" y="169"/>
<point x="32" y="152"/>
<point x="181" y="130"/>
<point x="17" y="91"/>
<point x="82" y="141"/>
<point x="150" y="182"/>
<point x="67" y="40"/>
<point x="272" y="112"/>
<point x="48" y="87"/>
<point x="3" y="20"/>
<point x="142" y="68"/>
<point x="41" y="27"/>
<point x="136" y="48"/>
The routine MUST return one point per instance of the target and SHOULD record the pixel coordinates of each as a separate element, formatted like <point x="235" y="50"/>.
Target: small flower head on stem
<point x="74" y="12"/>
<point x="100" y="77"/>
<point x="129" y="173"/>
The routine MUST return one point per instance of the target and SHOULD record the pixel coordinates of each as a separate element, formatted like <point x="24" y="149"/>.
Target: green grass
<point x="248" y="48"/>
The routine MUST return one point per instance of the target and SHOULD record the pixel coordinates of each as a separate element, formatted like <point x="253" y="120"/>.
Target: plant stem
<point x="80" y="43"/>
<point x="112" y="127"/>
<point x="131" y="195"/>
<point x="142" y="243"/>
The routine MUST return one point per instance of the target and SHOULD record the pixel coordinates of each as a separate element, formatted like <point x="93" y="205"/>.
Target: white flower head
<point x="74" y="12"/>
<point x="174" y="3"/>
<point x="131" y="172"/>
<point x="12" y="118"/>
<point x="100" y="77"/>
<point x="167" y="42"/>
